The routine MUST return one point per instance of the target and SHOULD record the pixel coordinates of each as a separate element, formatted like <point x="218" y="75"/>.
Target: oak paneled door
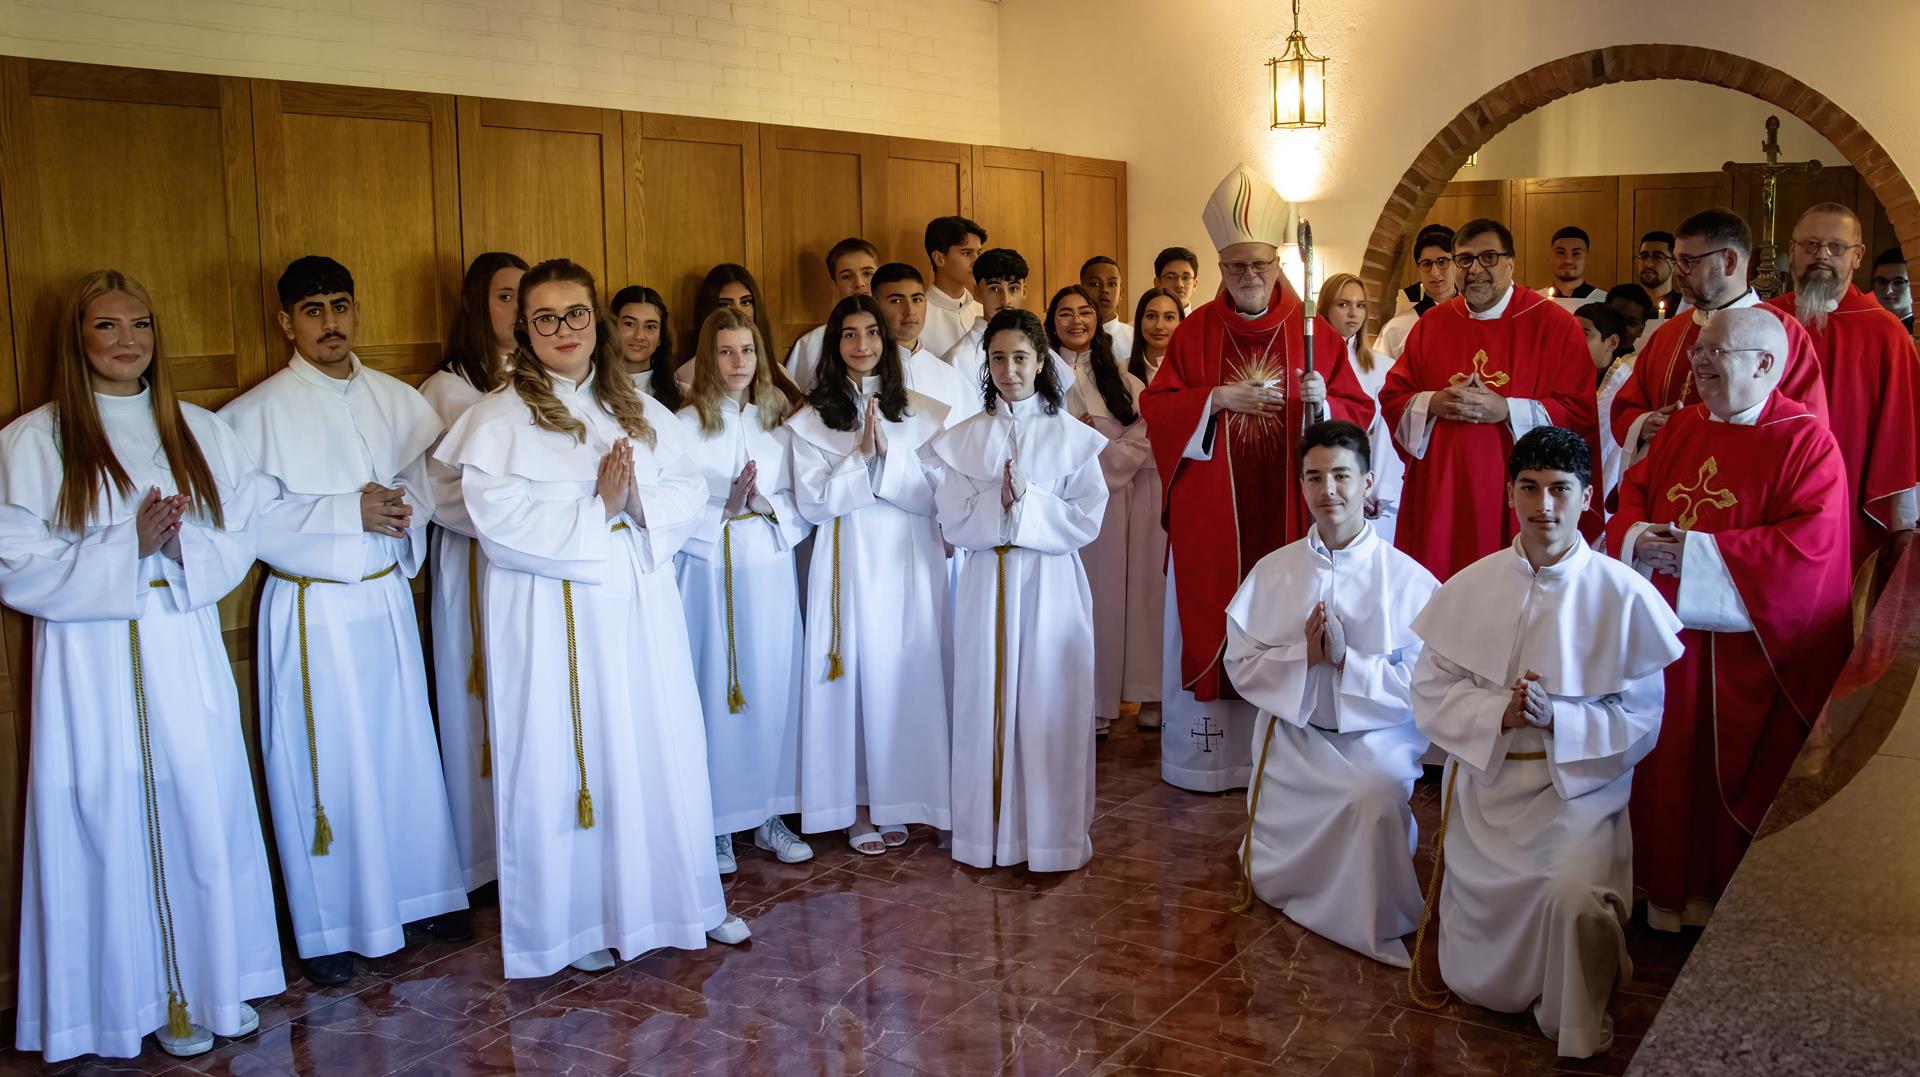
<point x="203" y="187"/>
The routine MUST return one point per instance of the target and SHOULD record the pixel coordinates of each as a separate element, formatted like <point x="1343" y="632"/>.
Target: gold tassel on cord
<point x="322" y="831"/>
<point x="834" y="669"/>
<point x="736" y="699"/>
<point x="1243" y="890"/>
<point x="179" y="1023"/>
<point x="583" y="807"/>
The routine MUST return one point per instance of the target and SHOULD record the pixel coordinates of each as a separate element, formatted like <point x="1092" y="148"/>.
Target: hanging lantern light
<point x="1299" y="80"/>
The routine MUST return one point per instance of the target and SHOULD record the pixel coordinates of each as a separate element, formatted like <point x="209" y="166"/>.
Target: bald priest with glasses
<point x="1479" y="371"/>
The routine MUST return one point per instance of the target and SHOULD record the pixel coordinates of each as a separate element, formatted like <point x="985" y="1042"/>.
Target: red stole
<point x="1867" y="363"/>
<point x="1225" y="513"/>
<point x="1738" y="703"/>
<point x="1661" y="374"/>
<point x="1453" y="508"/>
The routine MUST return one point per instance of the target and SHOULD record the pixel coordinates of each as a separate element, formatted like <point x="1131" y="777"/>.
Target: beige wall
<point x="1180" y="88"/>
<point x="1606" y="131"/>
<point x="921" y="68"/>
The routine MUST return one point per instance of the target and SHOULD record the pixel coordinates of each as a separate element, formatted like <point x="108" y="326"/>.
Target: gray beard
<point x="1815" y="297"/>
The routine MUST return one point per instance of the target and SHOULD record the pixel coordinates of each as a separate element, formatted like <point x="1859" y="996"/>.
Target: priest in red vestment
<point x="1739" y="514"/>
<point x="1710" y="262"/>
<point x="1868" y="362"/>
<point x="1223" y="413"/>
<point x="1478" y="372"/>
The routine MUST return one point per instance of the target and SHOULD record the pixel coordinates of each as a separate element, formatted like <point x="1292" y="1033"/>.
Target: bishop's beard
<point x="1815" y="295"/>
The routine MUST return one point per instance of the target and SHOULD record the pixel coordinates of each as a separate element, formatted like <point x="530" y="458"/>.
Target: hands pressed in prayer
<point x="1659" y="549"/>
<point x="872" y="443"/>
<point x="1470" y="402"/>
<point x="615" y="481"/>
<point x="1656" y="419"/>
<point x="1326" y="638"/>
<point x="1012" y="484"/>
<point x="1252" y="398"/>
<point x="1536" y="707"/>
<point x="157" y="522"/>
<point x="384" y="510"/>
<point x="745" y="488"/>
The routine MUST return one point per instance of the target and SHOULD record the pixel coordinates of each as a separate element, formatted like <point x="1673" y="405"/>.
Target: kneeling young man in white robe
<point x="1542" y="681"/>
<point x="1320" y="638"/>
<point x="1021" y="480"/>
<point x="360" y="812"/>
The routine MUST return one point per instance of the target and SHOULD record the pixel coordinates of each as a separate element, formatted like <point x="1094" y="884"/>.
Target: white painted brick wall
<point x="920" y="68"/>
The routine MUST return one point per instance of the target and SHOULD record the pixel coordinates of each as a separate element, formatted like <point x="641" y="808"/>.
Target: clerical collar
<point x="1749" y="417"/>
<point x="1022" y="409"/>
<point x="1319" y="545"/>
<point x="107" y="402"/>
<point x="305" y="369"/>
<point x="1499" y="307"/>
<point x="1566" y="566"/>
<point x="944" y="301"/>
<point x="1748" y="298"/>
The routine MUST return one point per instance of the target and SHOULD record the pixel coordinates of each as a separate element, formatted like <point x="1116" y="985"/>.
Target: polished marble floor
<point x="912" y="964"/>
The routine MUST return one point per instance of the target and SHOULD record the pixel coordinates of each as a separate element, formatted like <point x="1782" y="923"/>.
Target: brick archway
<point x="1486" y="117"/>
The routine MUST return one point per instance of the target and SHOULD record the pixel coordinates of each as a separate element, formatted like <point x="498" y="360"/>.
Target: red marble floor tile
<point x="1198" y="923"/>
<point x="762" y="876"/>
<point x="1122" y="982"/>
<point x="1405" y="1042"/>
<point x="746" y="974"/>
<point x="1264" y="1011"/>
<point x="1156" y="1056"/>
<point x="151" y="1060"/>
<point x="1015" y="1037"/>
<point x="763" y="1046"/>
<point x="422" y="948"/>
<point x="845" y="909"/>
<point x="375" y="1031"/>
<point x="921" y="864"/>
<point x="970" y="941"/>
<point x="873" y="1007"/>
<point x="1023" y="912"/>
<point x="472" y="985"/>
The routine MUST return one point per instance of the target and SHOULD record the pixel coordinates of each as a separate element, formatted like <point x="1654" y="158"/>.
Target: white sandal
<point x="860" y="842"/>
<point x="888" y="832"/>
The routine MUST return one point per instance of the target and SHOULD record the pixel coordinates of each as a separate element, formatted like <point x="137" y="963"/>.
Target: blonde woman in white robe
<point x="581" y="490"/>
<point x="1343" y="306"/>
<point x="737" y="581"/>
<point x="874" y="732"/>
<point x="1020" y="486"/>
<point x="125" y="516"/>
<point x="1107" y="399"/>
<point x="479" y="348"/>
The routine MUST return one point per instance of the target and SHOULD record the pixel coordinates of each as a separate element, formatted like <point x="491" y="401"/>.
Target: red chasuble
<point x="1739" y="704"/>
<point x="1453" y="508"/>
<point x="1225" y="513"/>
<point x="1661" y="374"/>
<point x="1867" y="362"/>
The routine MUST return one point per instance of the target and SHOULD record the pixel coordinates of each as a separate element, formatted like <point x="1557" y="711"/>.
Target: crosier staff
<point x="1311" y="413"/>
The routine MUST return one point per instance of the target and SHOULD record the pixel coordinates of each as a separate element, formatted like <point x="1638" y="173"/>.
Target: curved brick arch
<point x="1486" y="117"/>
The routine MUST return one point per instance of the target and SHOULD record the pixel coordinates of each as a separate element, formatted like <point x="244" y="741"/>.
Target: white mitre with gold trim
<point x="1246" y="209"/>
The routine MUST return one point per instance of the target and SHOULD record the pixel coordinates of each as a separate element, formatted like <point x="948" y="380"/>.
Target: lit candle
<point x="1663" y="308"/>
<point x="1550" y="292"/>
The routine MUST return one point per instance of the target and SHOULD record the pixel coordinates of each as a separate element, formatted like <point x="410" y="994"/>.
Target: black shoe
<point x="455" y="926"/>
<point x="331" y="970"/>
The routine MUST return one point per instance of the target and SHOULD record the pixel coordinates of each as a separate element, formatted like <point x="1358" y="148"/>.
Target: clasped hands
<point x="1660" y="549"/>
<point x="1529" y="705"/>
<point x="1326" y="638"/>
<point x="157" y="523"/>
<point x="1259" y="398"/>
<point x="1469" y="402"/>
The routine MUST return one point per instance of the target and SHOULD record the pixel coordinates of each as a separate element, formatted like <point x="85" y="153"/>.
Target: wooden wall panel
<point x="924" y="180"/>
<point x="543" y="181"/>
<point x="1014" y="200"/>
<point x="1091" y="208"/>
<point x="1799" y="190"/>
<point x="693" y="190"/>
<point x="1659" y="203"/>
<point x="1545" y="206"/>
<point x="147" y="172"/>
<point x="367" y="177"/>
<point x="816" y="188"/>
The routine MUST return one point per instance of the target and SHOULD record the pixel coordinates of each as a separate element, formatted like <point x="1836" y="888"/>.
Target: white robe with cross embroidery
<point x="392" y="859"/>
<point x="1023" y="628"/>
<point x="576" y="609"/>
<point x="738" y="584"/>
<point x="1332" y="831"/>
<point x="92" y="978"/>
<point x="876" y="735"/>
<point x="1538" y="852"/>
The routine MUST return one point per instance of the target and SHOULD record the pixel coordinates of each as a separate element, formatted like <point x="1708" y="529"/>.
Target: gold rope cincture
<point x="999" y="678"/>
<point x="834" y="668"/>
<point x="322" y="830"/>
<point x="583" y="803"/>
<point x="476" y="662"/>
<point x="736" y="700"/>
<point x="1424" y="996"/>
<point x="179" y="1022"/>
<point x="1244" y="890"/>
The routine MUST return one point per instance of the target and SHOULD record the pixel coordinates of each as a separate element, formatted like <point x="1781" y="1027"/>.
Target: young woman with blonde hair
<point x="581" y="490"/>
<point x="1342" y="306"/>
<point x="125" y="516"/>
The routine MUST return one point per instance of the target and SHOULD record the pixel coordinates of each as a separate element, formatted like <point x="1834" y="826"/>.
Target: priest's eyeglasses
<point x="1487" y="259"/>
<point x="1832" y="248"/>
<point x="1241" y="269"/>
<point x="1685" y="263"/>
<point x="548" y="324"/>
<point x="1715" y="352"/>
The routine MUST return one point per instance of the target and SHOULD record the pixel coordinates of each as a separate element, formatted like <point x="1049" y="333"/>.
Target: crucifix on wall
<point x="1767" y="279"/>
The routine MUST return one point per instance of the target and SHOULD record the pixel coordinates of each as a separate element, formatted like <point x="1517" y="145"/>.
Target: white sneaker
<point x="731" y="932"/>
<point x="723" y="851"/>
<point x="774" y="837"/>
<point x="249" y="1021"/>
<point x="197" y="1041"/>
<point x="597" y="961"/>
